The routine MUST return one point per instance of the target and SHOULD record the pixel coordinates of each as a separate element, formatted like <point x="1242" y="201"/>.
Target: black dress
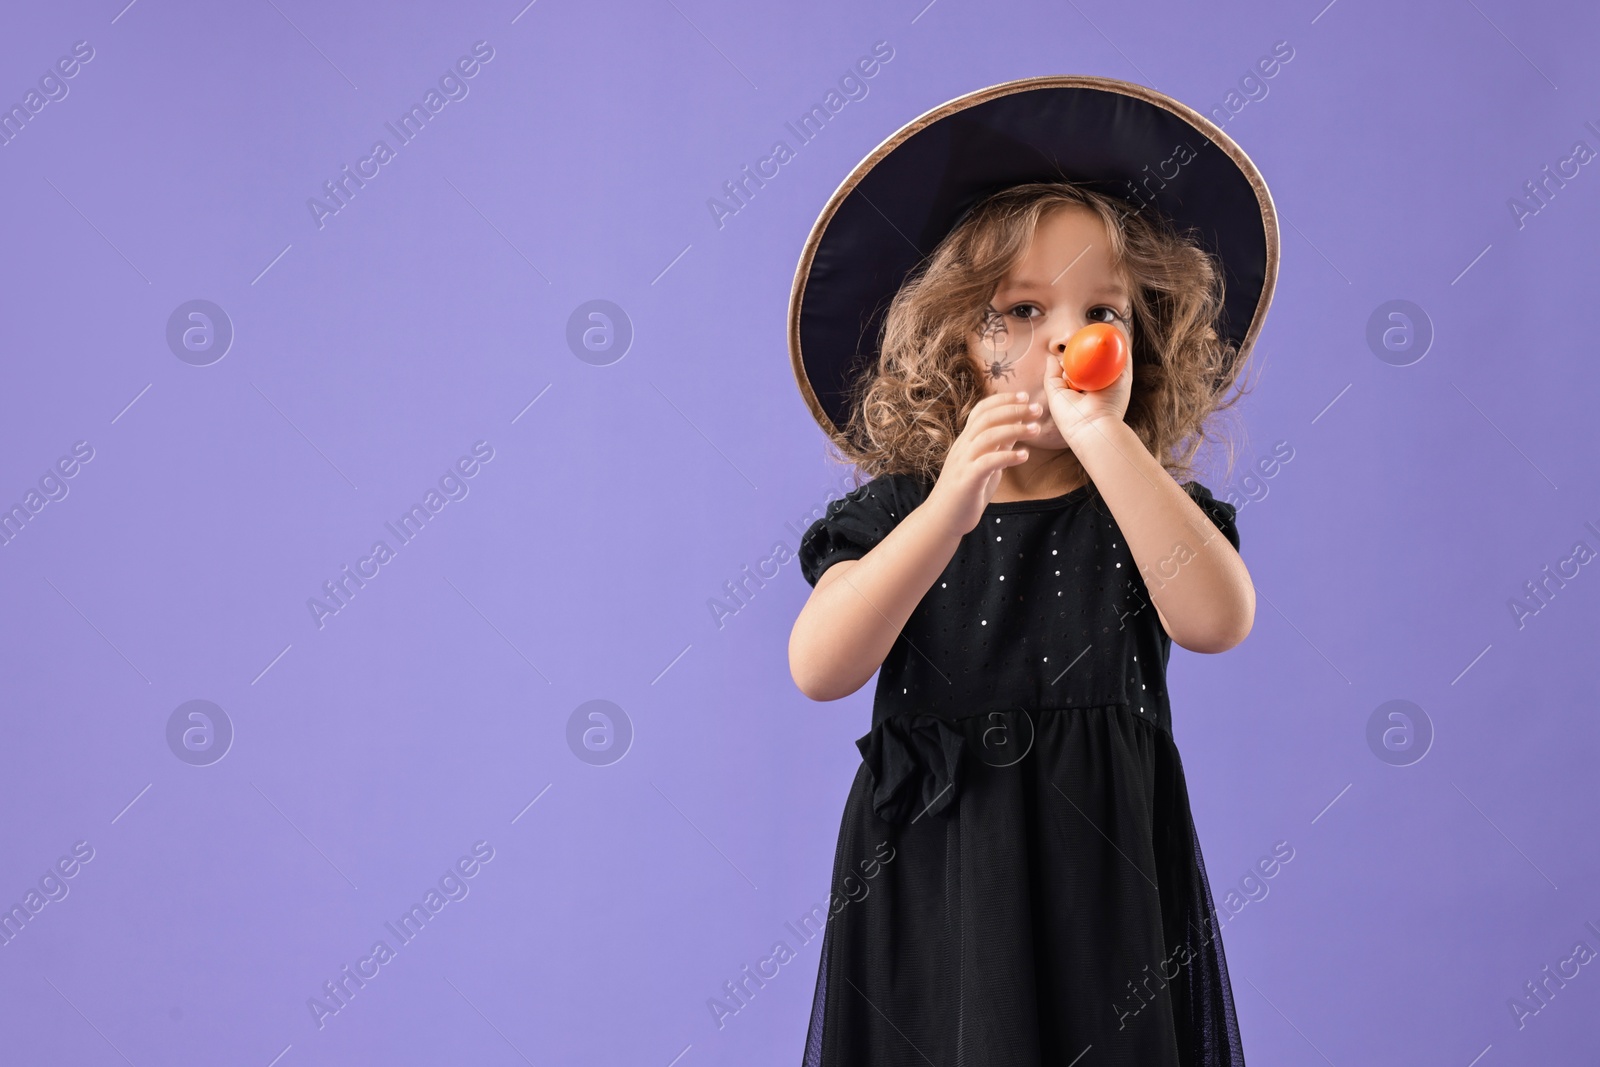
<point x="1018" y="880"/>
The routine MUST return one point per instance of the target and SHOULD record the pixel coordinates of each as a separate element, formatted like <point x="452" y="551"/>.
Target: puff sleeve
<point x="1218" y="511"/>
<point x="851" y="526"/>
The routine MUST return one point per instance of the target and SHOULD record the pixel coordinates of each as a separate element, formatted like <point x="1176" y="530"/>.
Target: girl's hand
<point x="986" y="446"/>
<point x="1075" y="413"/>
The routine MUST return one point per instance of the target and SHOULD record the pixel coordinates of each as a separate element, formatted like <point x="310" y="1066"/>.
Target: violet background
<point x="430" y="712"/>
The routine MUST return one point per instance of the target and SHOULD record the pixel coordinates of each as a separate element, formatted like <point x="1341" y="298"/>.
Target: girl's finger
<point x="1003" y="435"/>
<point x="989" y="462"/>
<point x="999" y="399"/>
<point x="1053" y="375"/>
<point x="984" y="418"/>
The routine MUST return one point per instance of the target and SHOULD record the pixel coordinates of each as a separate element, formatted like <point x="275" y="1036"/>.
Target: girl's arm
<point x="859" y="606"/>
<point x="1200" y="586"/>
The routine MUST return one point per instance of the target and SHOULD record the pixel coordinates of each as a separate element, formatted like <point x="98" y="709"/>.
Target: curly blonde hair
<point x="906" y="413"/>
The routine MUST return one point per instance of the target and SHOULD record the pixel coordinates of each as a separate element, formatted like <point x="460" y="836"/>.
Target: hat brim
<point x="904" y="197"/>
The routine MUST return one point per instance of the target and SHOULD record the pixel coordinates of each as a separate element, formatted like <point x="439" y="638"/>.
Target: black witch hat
<point x="1112" y="136"/>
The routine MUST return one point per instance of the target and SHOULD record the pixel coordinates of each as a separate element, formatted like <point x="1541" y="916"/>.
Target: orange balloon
<point x="1094" y="357"/>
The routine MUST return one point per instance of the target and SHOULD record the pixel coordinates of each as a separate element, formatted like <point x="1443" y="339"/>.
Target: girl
<point x="1016" y="571"/>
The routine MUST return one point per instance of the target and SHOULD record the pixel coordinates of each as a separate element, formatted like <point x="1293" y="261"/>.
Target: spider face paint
<point x="1003" y="341"/>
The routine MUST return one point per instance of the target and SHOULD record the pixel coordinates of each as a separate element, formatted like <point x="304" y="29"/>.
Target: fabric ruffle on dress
<point x="915" y="761"/>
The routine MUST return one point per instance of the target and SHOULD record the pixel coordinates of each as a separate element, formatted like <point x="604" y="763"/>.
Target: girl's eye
<point x="1115" y="314"/>
<point x="1020" y="308"/>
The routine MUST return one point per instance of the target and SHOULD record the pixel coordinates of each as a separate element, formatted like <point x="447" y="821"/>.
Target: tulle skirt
<point x="1016" y="889"/>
